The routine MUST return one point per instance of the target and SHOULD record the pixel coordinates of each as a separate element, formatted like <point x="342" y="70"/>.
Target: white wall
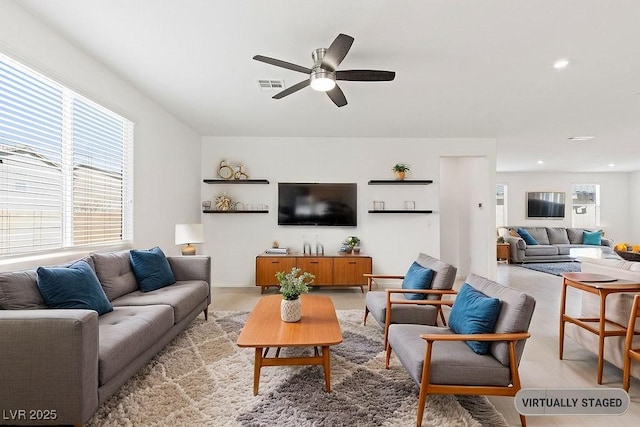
<point x="634" y="208"/>
<point x="615" y="198"/>
<point x="166" y="152"/>
<point x="393" y="240"/>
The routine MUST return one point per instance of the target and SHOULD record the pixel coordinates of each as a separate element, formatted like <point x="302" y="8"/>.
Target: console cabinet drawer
<point x="267" y="267"/>
<point x="322" y="268"/>
<point x="349" y="271"/>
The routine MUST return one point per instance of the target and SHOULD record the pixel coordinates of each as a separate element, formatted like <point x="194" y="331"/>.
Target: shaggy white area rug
<point x="203" y="379"/>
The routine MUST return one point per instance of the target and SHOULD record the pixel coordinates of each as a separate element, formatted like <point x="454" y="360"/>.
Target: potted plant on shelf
<point x="292" y="284"/>
<point x="400" y="169"/>
<point x="350" y="243"/>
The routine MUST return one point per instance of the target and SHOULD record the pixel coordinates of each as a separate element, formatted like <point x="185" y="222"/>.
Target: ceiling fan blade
<point x="365" y="75"/>
<point x="337" y="96"/>
<point x="336" y="52"/>
<point x="288" y="91"/>
<point x="283" y="64"/>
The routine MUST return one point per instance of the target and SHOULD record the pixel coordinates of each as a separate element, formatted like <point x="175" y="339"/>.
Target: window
<point x="585" y="211"/>
<point x="65" y="166"/>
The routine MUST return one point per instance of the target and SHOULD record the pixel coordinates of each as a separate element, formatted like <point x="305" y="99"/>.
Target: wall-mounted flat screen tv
<point x="330" y="204"/>
<point x="545" y="204"/>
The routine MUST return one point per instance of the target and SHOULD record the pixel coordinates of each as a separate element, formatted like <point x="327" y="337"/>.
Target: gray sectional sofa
<point x="554" y="244"/>
<point x="58" y="365"/>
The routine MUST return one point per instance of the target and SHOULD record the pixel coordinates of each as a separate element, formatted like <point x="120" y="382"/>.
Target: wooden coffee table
<point x="318" y="327"/>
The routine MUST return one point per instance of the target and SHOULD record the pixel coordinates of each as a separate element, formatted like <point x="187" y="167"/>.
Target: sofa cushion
<point x="151" y="268"/>
<point x="115" y="274"/>
<point x="184" y="297"/>
<point x="557" y="236"/>
<point x="592" y="237"/>
<point x="417" y="277"/>
<point x="376" y="302"/>
<point x="474" y="313"/>
<point x="446" y="358"/>
<point x="19" y="291"/>
<point x="515" y="315"/>
<point x="541" y="250"/>
<point x="444" y="274"/>
<point x="127" y="332"/>
<point x="575" y="235"/>
<point x="539" y="233"/>
<point x="75" y="286"/>
<point x="528" y="238"/>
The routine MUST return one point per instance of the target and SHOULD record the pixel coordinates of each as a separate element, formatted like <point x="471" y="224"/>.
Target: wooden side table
<point x="602" y="286"/>
<point x="503" y="253"/>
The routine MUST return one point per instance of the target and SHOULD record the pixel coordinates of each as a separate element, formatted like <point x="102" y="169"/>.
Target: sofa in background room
<point x="552" y="244"/>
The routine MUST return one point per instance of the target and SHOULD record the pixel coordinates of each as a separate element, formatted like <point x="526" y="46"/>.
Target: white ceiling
<point x="464" y="68"/>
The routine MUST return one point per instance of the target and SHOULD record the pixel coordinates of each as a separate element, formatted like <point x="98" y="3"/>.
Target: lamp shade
<point x="189" y="233"/>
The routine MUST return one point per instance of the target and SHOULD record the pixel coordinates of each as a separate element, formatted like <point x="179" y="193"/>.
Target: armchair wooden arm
<point x="438" y="303"/>
<point x="515" y="336"/>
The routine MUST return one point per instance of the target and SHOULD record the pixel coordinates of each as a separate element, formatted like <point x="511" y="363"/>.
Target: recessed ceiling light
<point x="580" y="138"/>
<point x="611" y="165"/>
<point x="540" y="162"/>
<point x="560" y="63"/>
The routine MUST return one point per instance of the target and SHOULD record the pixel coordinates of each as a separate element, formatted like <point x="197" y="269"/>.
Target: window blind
<point x="65" y="166"/>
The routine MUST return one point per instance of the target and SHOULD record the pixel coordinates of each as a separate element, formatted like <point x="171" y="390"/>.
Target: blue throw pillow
<point x="528" y="238"/>
<point x="76" y="286"/>
<point x="592" y="237"/>
<point x="418" y="277"/>
<point x="151" y="268"/>
<point x="474" y="313"/>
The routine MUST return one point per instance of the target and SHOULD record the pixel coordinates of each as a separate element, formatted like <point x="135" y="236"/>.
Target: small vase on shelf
<point x="400" y="169"/>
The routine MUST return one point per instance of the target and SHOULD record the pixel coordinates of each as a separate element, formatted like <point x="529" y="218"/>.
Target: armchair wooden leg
<point x="386" y="334"/>
<point x="523" y="421"/>
<point x="626" y="372"/>
<point x="388" y="356"/>
<point x="422" y="400"/>
<point x="366" y="313"/>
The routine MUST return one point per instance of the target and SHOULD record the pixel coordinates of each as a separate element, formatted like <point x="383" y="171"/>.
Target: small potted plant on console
<point x="292" y="284"/>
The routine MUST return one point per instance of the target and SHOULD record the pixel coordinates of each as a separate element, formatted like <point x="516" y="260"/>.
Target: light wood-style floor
<point x="540" y="366"/>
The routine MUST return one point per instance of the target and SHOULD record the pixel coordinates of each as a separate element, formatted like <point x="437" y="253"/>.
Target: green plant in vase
<point x="400" y="170"/>
<point x="292" y="284"/>
<point x="350" y="243"/>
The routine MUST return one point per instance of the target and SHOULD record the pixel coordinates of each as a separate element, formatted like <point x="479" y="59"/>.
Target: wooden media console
<point x="330" y="270"/>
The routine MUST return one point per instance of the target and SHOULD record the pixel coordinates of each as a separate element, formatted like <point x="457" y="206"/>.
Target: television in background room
<point x="326" y="204"/>
<point x="545" y="204"/>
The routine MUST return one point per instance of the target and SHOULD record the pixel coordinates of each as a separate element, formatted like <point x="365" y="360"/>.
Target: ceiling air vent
<point x="271" y="84"/>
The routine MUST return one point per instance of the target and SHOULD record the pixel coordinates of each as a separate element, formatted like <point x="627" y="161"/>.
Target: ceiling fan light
<point x="322" y="80"/>
<point x="323" y="84"/>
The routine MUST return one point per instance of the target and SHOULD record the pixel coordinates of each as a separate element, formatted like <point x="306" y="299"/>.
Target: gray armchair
<point x="393" y="306"/>
<point x="441" y="362"/>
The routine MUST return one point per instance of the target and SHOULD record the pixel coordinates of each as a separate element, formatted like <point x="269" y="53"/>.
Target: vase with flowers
<point x="292" y="285"/>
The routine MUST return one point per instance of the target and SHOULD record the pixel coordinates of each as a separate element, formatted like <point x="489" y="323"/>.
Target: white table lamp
<point x="188" y="234"/>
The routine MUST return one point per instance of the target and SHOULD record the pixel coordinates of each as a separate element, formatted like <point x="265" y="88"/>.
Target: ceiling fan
<point x="324" y="73"/>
